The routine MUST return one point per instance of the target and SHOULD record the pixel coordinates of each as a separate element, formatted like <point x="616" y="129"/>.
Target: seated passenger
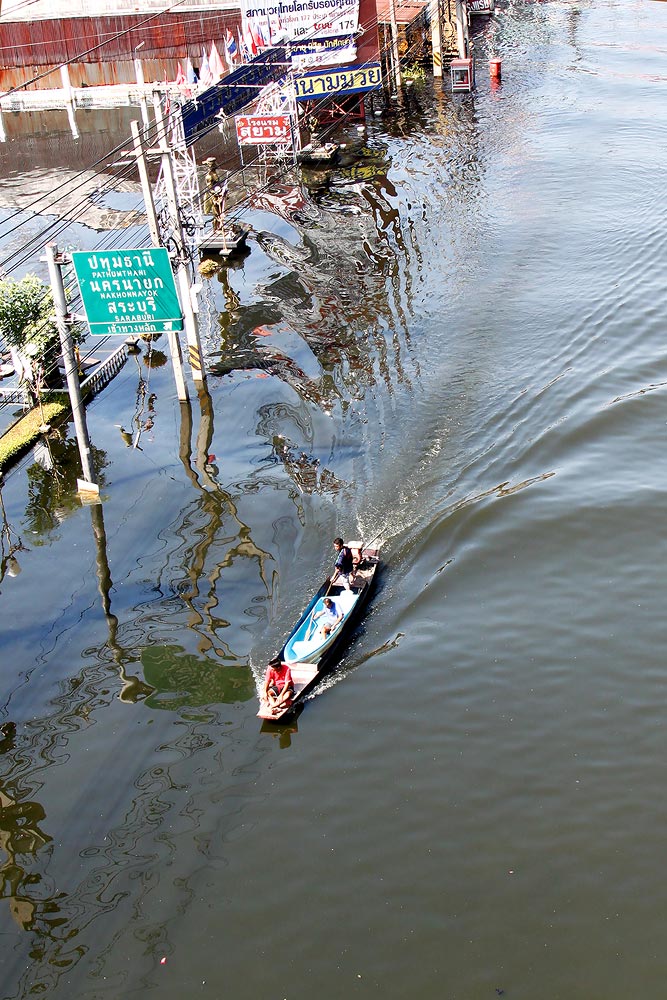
<point x="328" y="617"/>
<point x="278" y="686"/>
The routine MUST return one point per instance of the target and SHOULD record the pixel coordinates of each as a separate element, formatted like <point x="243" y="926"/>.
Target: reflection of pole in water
<point x="232" y="303"/>
<point x="205" y="437"/>
<point x="141" y="420"/>
<point x="133" y="689"/>
<point x="217" y="504"/>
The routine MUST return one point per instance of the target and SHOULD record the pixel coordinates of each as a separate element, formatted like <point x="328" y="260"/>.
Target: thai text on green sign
<point x="128" y="292"/>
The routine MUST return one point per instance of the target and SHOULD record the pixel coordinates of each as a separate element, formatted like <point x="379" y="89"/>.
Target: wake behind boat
<point x="316" y="642"/>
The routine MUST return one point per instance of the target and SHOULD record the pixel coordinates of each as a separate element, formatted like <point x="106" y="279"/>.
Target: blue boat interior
<point x="308" y="643"/>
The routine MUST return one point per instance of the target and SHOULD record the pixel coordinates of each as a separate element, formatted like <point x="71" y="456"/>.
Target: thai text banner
<point x="323" y="52"/>
<point x="263" y="130"/>
<point x="353" y="80"/>
<point x="293" y="20"/>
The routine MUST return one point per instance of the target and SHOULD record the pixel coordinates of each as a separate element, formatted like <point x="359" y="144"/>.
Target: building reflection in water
<point x="341" y="288"/>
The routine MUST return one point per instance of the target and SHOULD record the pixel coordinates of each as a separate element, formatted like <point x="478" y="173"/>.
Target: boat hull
<point x="309" y="671"/>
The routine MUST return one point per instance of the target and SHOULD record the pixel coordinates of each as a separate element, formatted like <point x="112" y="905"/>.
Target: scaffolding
<point x="277" y="99"/>
<point x="186" y="179"/>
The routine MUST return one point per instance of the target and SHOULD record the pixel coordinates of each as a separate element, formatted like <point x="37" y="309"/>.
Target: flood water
<point x="460" y="351"/>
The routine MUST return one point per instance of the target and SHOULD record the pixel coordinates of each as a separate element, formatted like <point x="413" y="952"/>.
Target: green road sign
<point x="128" y="292"/>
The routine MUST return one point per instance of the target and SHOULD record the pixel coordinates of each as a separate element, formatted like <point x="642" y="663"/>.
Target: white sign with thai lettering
<point x="266" y="22"/>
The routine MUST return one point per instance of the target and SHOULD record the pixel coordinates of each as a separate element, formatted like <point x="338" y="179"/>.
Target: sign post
<point x="54" y="261"/>
<point x="128" y="292"/>
<point x="188" y="297"/>
<point x="174" y="342"/>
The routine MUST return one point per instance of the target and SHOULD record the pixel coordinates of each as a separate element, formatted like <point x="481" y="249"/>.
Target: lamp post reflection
<point x="217" y="503"/>
<point x="10" y="544"/>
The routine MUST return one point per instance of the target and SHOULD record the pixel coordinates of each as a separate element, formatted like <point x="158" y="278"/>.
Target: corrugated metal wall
<point x="165" y="36"/>
<point x="29" y="49"/>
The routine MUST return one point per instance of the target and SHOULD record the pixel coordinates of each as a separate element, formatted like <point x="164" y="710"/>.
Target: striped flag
<point x="248" y="38"/>
<point x="258" y="35"/>
<point x="243" y="48"/>
<point x="230" y="48"/>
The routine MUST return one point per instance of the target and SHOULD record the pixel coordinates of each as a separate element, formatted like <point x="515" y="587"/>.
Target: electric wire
<point x="94" y="48"/>
<point x="202" y="16"/>
<point x="110" y="184"/>
<point x="373" y="23"/>
<point x="239" y="208"/>
<point x="115" y="237"/>
<point x="244" y="203"/>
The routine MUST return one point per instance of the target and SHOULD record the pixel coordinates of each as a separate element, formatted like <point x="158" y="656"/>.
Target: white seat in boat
<point x="345" y="600"/>
<point x="301" y="647"/>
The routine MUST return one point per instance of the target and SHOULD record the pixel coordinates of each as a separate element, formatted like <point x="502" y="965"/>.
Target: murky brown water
<point x="459" y="349"/>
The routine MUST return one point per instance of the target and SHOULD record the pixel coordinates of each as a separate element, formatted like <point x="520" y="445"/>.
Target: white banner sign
<point x="323" y="52"/>
<point x="269" y="21"/>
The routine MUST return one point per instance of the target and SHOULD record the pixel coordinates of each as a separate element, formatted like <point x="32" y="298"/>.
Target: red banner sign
<point x="263" y="130"/>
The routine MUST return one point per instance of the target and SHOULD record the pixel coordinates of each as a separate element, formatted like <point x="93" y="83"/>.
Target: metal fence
<point x="105" y="371"/>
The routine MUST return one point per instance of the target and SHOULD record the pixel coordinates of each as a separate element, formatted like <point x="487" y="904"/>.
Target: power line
<point x="94" y="48"/>
<point x="112" y="182"/>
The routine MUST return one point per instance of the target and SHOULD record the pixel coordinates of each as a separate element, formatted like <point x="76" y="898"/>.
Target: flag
<point x="247" y="37"/>
<point x="230" y="48"/>
<point x="182" y="80"/>
<point x="243" y="48"/>
<point x="190" y="74"/>
<point x="258" y="35"/>
<point x="205" y="75"/>
<point x="215" y="64"/>
<point x="167" y="99"/>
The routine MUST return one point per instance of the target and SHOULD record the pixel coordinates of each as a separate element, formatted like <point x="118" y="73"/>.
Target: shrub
<point x="26" y="431"/>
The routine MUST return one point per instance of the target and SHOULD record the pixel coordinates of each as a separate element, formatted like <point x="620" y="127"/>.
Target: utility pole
<point x="63" y="320"/>
<point x="462" y="35"/>
<point x="145" y="184"/>
<point x="174" y="342"/>
<point x="394" y="45"/>
<point x="183" y="277"/>
<point x="436" y="36"/>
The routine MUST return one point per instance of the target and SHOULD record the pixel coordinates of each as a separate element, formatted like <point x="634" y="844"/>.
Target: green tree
<point x="27" y="324"/>
<point x="26" y="313"/>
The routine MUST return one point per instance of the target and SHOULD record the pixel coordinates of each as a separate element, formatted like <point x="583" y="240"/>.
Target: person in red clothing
<point x="278" y="686"/>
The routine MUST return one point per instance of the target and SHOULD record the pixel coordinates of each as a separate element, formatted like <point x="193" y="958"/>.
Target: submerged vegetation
<point x="28" y="429"/>
<point x="413" y="72"/>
